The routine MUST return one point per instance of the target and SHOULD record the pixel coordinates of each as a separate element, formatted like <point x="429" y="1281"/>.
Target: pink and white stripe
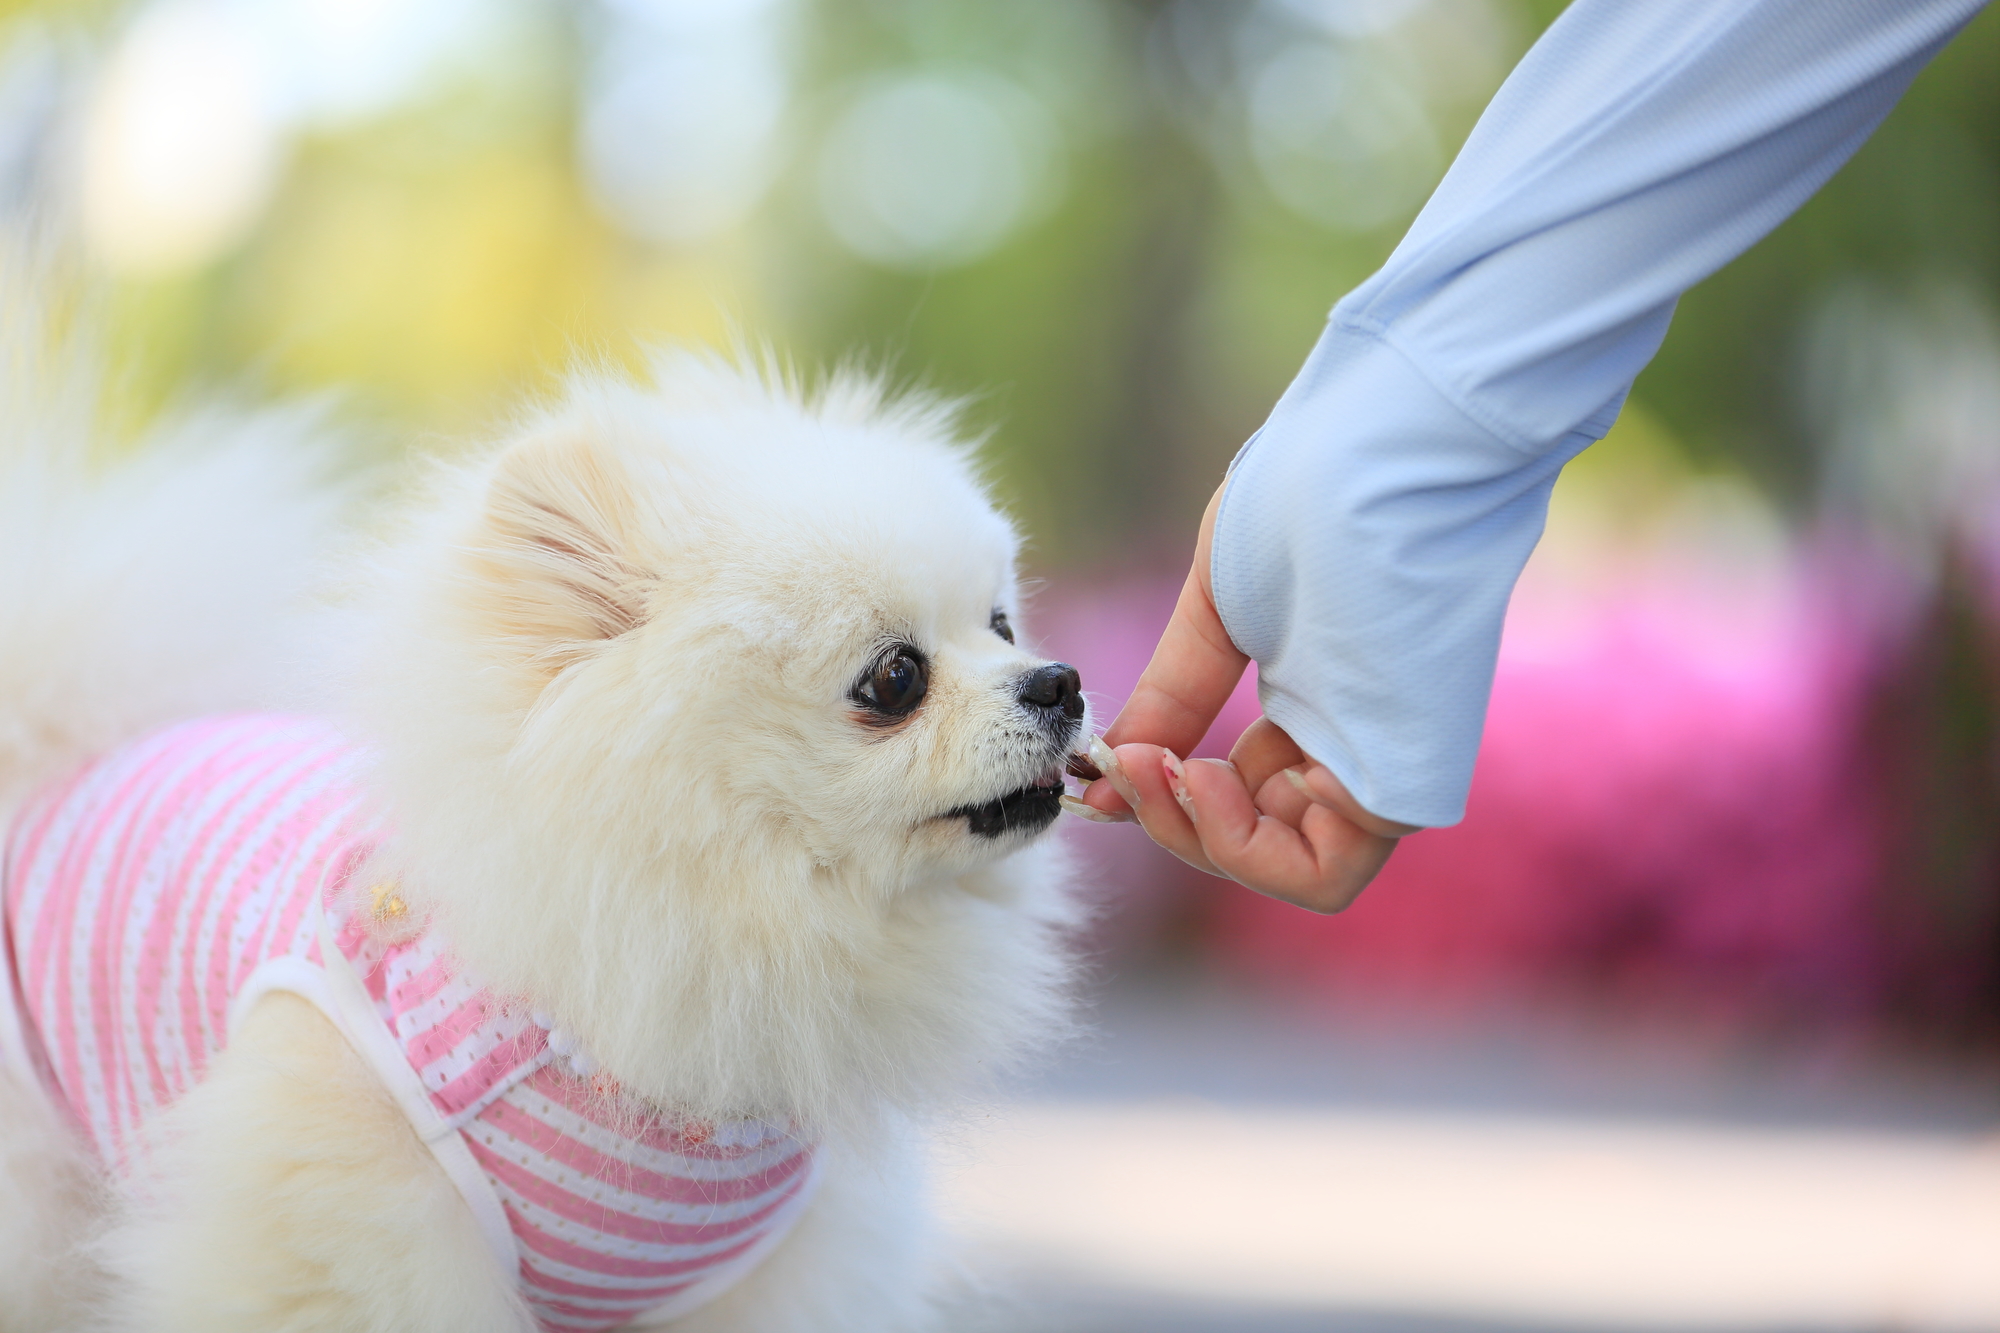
<point x="144" y="894"/>
<point x="615" y="1209"/>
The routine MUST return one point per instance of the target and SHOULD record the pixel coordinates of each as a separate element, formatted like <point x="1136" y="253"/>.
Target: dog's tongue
<point x="1079" y="766"/>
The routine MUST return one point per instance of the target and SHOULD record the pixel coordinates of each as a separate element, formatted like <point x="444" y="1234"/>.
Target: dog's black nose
<point x="1054" y="686"/>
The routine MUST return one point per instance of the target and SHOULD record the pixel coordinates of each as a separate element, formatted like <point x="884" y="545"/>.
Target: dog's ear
<point x="554" y="549"/>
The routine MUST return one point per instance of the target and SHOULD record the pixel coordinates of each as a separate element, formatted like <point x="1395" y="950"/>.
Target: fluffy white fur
<point x="141" y="581"/>
<point x="611" y="699"/>
<point x="146" y="580"/>
<point x="287" y="1192"/>
<point x="606" y="671"/>
<point x="48" y="1197"/>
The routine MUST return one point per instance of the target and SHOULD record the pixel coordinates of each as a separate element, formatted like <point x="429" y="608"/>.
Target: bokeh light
<point x="934" y="169"/>
<point x="681" y="123"/>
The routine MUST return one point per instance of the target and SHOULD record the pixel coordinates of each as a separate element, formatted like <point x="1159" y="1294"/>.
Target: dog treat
<point x="1079" y="766"/>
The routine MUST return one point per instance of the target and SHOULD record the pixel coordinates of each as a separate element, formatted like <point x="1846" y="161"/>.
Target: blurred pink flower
<point x="1670" y="803"/>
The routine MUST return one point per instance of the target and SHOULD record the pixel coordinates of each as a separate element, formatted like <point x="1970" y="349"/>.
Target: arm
<point x="1371" y="532"/>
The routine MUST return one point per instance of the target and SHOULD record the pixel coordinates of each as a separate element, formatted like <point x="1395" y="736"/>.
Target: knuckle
<point x="1328" y="897"/>
<point x="1321" y="904"/>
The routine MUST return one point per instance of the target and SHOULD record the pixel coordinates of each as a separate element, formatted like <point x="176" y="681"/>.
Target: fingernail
<point x="1298" y="779"/>
<point x="1106" y="760"/>
<point x="1091" y="812"/>
<point x="1177" y="779"/>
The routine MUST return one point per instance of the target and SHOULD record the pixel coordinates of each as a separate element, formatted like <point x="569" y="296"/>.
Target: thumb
<point x="1192" y="671"/>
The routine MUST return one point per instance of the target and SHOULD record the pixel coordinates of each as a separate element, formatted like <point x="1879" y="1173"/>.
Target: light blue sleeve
<point x="1373" y="528"/>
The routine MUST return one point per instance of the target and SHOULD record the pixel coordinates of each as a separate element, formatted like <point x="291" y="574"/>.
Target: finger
<point x="1318" y="784"/>
<point x="1321" y="864"/>
<point x="1224" y="810"/>
<point x="1280" y="798"/>
<point x="1262" y="750"/>
<point x="1082" y="809"/>
<point x="1193" y="670"/>
<point x="1103" y="794"/>
<point x="1142" y="777"/>
<point x="1192" y="674"/>
<point x="1348" y="858"/>
<point x="1212" y="793"/>
<point x="1266" y="749"/>
<point x="1257" y="849"/>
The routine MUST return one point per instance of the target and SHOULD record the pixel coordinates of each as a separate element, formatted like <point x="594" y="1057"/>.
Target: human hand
<point x="1269" y="817"/>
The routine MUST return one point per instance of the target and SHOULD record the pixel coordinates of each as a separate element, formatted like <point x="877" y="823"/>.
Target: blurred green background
<point x="1116" y="224"/>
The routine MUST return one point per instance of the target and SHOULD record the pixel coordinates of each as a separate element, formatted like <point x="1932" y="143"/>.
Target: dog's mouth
<point x="1028" y="809"/>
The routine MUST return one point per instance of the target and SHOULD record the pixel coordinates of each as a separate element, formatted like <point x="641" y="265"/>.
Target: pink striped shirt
<point x="152" y="897"/>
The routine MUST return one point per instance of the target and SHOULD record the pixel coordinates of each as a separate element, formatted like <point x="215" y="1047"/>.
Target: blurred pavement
<point x="1202" y="1166"/>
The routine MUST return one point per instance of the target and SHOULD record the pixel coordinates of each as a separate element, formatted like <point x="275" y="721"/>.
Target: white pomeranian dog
<point x="670" y="853"/>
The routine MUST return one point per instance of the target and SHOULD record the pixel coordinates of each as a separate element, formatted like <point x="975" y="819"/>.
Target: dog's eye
<point x="896" y="685"/>
<point x="1001" y="627"/>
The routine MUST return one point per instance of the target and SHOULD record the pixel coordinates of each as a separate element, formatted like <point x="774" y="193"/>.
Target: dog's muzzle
<point x="1053" y="696"/>
<point x="1028" y="809"/>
